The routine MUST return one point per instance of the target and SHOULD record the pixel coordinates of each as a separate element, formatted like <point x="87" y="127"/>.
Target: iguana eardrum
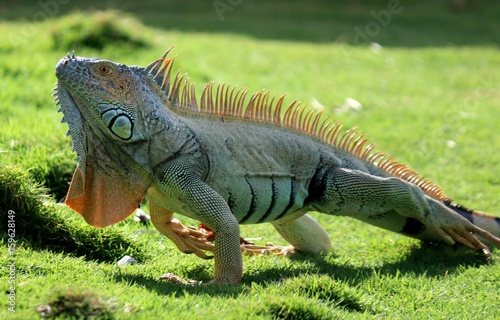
<point x="224" y="161"/>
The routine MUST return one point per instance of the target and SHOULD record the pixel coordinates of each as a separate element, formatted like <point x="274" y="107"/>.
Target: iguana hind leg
<point x="396" y="205"/>
<point x="304" y="234"/>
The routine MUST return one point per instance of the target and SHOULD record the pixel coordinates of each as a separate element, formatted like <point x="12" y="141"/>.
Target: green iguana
<point x="225" y="161"/>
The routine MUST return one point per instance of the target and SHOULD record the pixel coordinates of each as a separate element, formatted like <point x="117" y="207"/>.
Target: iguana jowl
<point x="224" y="161"/>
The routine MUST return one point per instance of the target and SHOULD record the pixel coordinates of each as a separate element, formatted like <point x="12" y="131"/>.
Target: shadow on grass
<point x="428" y="260"/>
<point x="398" y="23"/>
<point x="163" y="287"/>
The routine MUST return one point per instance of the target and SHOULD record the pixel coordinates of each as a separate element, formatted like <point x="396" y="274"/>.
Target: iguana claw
<point x="469" y="238"/>
<point x="453" y="228"/>
<point x="189" y="240"/>
<point x="269" y="248"/>
<point x="250" y="248"/>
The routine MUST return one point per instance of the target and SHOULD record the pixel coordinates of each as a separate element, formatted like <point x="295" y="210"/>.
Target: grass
<point x="430" y="98"/>
<point x="41" y="225"/>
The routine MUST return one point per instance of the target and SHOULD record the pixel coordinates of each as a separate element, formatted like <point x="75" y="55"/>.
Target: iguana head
<point x="101" y="102"/>
<point x="104" y="93"/>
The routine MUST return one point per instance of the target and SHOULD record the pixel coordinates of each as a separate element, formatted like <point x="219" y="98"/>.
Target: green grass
<point x="430" y="98"/>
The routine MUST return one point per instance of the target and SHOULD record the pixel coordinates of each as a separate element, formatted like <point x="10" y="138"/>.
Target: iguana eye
<point x="121" y="126"/>
<point x="104" y="69"/>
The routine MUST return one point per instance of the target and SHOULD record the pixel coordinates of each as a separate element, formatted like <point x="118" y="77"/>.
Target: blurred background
<point x="412" y="23"/>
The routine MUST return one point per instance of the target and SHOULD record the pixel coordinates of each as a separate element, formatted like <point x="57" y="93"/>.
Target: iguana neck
<point x="169" y="137"/>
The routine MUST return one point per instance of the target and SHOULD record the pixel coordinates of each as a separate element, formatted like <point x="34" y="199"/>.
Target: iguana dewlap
<point x="226" y="161"/>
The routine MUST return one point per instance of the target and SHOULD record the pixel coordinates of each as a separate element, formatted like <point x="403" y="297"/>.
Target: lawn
<point x="427" y="77"/>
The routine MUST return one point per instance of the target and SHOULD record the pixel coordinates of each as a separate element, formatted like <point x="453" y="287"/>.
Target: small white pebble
<point x="126" y="260"/>
<point x="141" y="216"/>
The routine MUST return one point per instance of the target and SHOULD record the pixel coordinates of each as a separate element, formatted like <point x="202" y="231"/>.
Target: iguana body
<point x="225" y="162"/>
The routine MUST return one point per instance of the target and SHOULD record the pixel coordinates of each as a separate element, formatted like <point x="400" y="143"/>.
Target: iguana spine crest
<point x="230" y="102"/>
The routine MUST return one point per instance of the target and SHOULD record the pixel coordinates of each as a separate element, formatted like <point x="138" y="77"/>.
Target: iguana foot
<point x="468" y="236"/>
<point x="250" y="248"/>
<point x="268" y="249"/>
<point x="189" y="240"/>
<point x="454" y="228"/>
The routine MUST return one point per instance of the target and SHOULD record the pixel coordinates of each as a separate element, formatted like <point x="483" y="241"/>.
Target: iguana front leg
<point x="186" y="239"/>
<point x="176" y="183"/>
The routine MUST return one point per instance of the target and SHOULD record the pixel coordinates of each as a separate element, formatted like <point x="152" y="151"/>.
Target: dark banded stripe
<point x="251" y="210"/>
<point x="291" y="201"/>
<point x="230" y="201"/>
<point x="317" y="186"/>
<point x="272" y="204"/>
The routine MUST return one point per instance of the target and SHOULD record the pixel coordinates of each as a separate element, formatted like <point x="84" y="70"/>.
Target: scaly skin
<point x="139" y="136"/>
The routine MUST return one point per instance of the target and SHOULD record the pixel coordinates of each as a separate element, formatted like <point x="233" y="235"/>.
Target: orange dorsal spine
<point x="229" y="101"/>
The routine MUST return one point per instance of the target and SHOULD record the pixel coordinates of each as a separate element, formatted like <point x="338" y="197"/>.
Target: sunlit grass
<point x="433" y="107"/>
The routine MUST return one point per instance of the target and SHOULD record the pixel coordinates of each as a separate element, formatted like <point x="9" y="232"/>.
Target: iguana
<point x="225" y="161"/>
